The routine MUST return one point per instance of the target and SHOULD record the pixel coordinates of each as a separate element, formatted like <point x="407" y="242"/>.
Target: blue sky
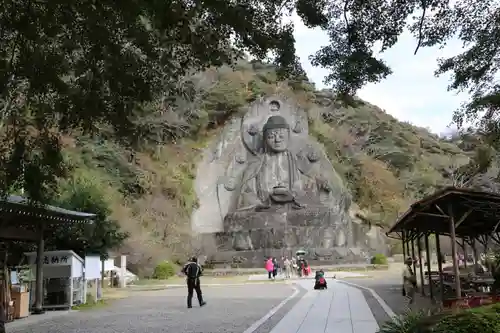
<point x="412" y="93"/>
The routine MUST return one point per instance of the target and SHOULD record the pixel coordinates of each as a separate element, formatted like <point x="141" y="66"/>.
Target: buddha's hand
<point x="230" y="184"/>
<point x="324" y="184"/>
<point x="281" y="190"/>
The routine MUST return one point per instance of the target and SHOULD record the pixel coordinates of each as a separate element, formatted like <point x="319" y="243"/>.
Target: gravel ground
<point x="229" y="309"/>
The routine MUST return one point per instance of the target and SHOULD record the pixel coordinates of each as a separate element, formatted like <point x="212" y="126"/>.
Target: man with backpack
<point x="193" y="271"/>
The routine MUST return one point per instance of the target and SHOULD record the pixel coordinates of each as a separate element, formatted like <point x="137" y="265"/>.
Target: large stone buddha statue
<point x="278" y="177"/>
<point x="276" y="188"/>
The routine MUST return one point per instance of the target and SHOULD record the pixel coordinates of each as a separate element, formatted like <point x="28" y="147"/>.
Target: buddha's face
<point x="277" y="139"/>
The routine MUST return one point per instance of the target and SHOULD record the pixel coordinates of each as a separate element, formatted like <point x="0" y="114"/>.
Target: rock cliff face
<point x="266" y="188"/>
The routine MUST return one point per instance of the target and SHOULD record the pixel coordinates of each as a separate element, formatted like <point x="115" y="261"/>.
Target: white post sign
<point x="123" y="271"/>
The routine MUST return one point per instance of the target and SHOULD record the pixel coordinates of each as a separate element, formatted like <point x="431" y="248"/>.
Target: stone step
<point x="328" y="275"/>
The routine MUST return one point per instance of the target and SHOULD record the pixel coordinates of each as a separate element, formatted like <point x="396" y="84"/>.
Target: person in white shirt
<point x="287" y="264"/>
<point x="409" y="281"/>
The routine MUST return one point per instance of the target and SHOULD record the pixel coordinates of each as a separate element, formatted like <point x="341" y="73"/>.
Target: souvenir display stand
<point x="20" y="291"/>
<point x="63" y="279"/>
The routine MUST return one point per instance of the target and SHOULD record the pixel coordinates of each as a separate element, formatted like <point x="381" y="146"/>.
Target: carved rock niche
<point x="312" y="154"/>
<point x="274" y="106"/>
<point x="298" y="127"/>
<point x="253" y="130"/>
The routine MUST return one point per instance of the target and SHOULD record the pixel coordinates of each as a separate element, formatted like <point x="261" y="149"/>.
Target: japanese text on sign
<point x="55" y="260"/>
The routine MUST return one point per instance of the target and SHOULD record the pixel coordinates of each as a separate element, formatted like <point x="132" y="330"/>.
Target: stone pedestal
<point x="249" y="237"/>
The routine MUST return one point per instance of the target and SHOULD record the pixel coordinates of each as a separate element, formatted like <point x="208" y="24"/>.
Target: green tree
<point x="83" y="193"/>
<point x="361" y="30"/>
<point x="90" y="66"/>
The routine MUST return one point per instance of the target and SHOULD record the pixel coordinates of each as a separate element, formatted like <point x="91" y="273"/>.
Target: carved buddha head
<point x="276" y="134"/>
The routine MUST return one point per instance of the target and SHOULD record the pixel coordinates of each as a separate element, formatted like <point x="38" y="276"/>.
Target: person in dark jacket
<point x="275" y="267"/>
<point x="193" y="272"/>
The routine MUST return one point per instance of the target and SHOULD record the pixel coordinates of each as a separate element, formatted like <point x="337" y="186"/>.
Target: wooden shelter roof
<point x="20" y="206"/>
<point x="475" y="214"/>
<point x="16" y="213"/>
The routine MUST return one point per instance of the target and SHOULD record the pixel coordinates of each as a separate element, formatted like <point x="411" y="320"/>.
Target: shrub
<point x="411" y="322"/>
<point x="469" y="321"/>
<point x="164" y="270"/>
<point x="494" y="308"/>
<point x="484" y="319"/>
<point x="379" y="259"/>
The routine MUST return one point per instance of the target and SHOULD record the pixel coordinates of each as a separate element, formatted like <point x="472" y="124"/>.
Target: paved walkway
<point x="339" y="309"/>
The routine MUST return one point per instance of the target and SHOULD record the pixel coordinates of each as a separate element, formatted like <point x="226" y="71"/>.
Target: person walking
<point x="275" y="267"/>
<point x="193" y="272"/>
<point x="287" y="265"/>
<point x="269" y="267"/>
<point x="409" y="282"/>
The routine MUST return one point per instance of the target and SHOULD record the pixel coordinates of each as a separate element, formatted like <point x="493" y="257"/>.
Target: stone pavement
<point x="339" y="309"/>
<point x="230" y="309"/>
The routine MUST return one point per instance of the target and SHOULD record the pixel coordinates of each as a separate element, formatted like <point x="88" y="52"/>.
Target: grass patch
<point x="90" y="305"/>
<point x="204" y="280"/>
<point x="114" y="293"/>
<point x="151" y="285"/>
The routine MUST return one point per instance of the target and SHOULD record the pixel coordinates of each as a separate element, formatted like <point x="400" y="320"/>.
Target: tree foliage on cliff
<point x="90" y="65"/>
<point x="152" y="195"/>
<point x="82" y="192"/>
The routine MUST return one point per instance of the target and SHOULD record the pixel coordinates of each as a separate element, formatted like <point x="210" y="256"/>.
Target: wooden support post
<point x="4" y="293"/>
<point x="496" y="237"/>
<point x="474" y="252"/>
<point x="440" y="266"/>
<point x="486" y="243"/>
<point x="103" y="271"/>
<point x="413" y="256"/>
<point x="464" y="248"/>
<point x="403" y="239"/>
<point x="456" y="271"/>
<point x="39" y="270"/>
<point x="408" y="239"/>
<point x="420" y="264"/>
<point x="428" y="259"/>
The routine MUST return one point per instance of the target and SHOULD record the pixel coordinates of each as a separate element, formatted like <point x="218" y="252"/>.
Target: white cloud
<point x="412" y="93"/>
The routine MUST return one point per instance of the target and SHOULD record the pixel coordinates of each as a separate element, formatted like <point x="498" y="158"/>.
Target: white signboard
<point x="92" y="267"/>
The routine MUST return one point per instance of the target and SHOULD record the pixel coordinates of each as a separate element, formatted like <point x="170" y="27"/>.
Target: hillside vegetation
<point x="387" y="164"/>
